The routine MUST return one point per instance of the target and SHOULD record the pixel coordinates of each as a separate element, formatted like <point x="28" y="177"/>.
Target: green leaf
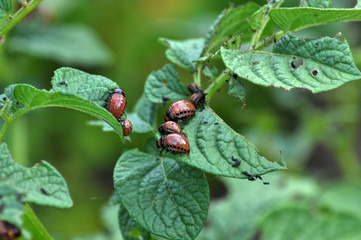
<point x="233" y="21"/>
<point x="342" y="197"/>
<point x="358" y="4"/>
<point x="213" y="144"/>
<point x="130" y="230"/>
<point x="41" y="184"/>
<point x="184" y="52"/>
<point x="315" y="64"/>
<point x="34" y="98"/>
<point x="316" y="3"/>
<point x="10" y="203"/>
<point x="143" y="115"/>
<point x="90" y="87"/>
<point x="294" y="19"/>
<point x="70" y="45"/>
<point x="165" y="83"/>
<point x="14" y="104"/>
<point x="5" y="7"/>
<point x="166" y="197"/>
<point x="295" y="222"/>
<point x="212" y="73"/>
<point x="236" y="89"/>
<point x="254" y="201"/>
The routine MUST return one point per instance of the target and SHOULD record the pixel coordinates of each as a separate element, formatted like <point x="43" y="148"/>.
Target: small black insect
<point x="260" y="178"/>
<point x="63" y="83"/>
<point x="205" y="122"/>
<point x="216" y="123"/>
<point x="250" y="176"/>
<point x="227" y="80"/>
<point x="4" y="98"/>
<point x="43" y="191"/>
<point x="236" y="164"/>
<point x="165" y="99"/>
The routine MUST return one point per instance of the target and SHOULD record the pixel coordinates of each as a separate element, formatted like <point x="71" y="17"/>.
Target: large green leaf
<point x="72" y="44"/>
<point x="5" y="7"/>
<point x="165" y="83"/>
<point x="165" y="197"/>
<point x="295" y="222"/>
<point x="254" y="201"/>
<point x="294" y="19"/>
<point x="12" y="208"/>
<point x="315" y="64"/>
<point x="90" y="87"/>
<point x="184" y="52"/>
<point x="41" y="184"/>
<point x="233" y="21"/>
<point x="214" y="146"/>
<point x="316" y="3"/>
<point x="34" y="98"/>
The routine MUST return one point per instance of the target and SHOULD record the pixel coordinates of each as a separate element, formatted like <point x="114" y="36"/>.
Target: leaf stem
<point x="32" y="223"/>
<point x="197" y="75"/>
<point x="20" y="14"/>
<point x="217" y="84"/>
<point x="9" y="120"/>
<point x="277" y="36"/>
<point x="256" y="36"/>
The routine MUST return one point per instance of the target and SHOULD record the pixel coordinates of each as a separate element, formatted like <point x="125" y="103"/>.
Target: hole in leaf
<point x="164" y="82"/>
<point x="315" y="72"/>
<point x="255" y="63"/>
<point x="297" y="63"/>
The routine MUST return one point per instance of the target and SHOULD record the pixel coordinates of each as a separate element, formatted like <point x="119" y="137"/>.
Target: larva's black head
<point x="168" y="117"/>
<point x="161" y="129"/>
<point x="119" y="90"/>
<point x="160" y="142"/>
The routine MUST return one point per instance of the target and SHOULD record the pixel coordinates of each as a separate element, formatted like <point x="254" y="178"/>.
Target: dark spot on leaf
<point x="255" y="63"/>
<point x="44" y="192"/>
<point x="164" y="82"/>
<point x="216" y="123"/>
<point x="315" y="15"/>
<point x="234" y="41"/>
<point x="297" y="63"/>
<point x="315" y="72"/>
<point x="63" y="83"/>
<point x="4" y="98"/>
<point x="205" y="122"/>
<point x="227" y="80"/>
<point x="317" y="43"/>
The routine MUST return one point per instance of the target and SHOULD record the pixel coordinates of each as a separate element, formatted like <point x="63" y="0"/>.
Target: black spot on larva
<point x="189" y="111"/>
<point x="178" y="147"/>
<point x="177" y="114"/>
<point x="43" y="191"/>
<point x="297" y="63"/>
<point x="315" y="72"/>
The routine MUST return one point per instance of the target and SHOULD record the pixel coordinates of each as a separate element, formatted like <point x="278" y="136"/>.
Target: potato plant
<point x="165" y="195"/>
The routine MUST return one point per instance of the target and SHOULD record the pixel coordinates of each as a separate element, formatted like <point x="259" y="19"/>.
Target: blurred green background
<point x="319" y="135"/>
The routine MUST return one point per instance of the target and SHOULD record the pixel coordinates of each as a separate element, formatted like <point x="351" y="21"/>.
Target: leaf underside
<point x="34" y="98"/>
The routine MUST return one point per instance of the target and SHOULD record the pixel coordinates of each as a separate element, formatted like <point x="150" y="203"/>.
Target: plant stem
<point x="32" y="223"/>
<point x="256" y="36"/>
<point x="9" y="120"/>
<point x="217" y="84"/>
<point x="277" y="36"/>
<point x="197" y="75"/>
<point x="20" y="14"/>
